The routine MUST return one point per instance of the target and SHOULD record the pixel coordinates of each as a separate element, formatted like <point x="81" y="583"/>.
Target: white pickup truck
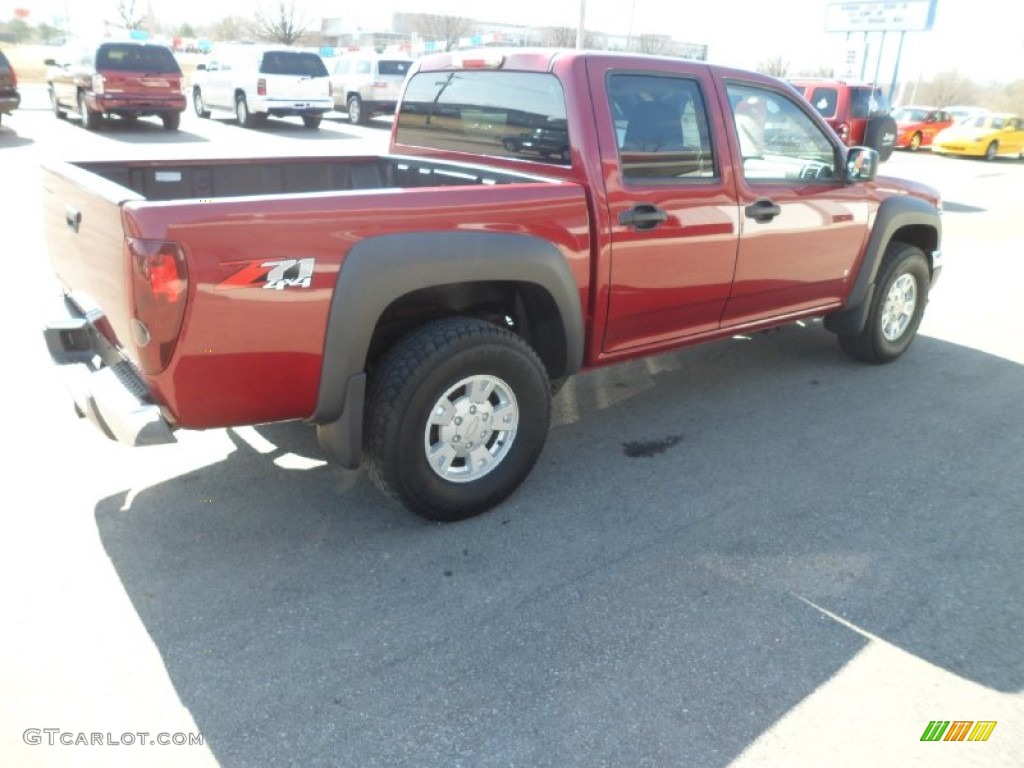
<point x="255" y="82"/>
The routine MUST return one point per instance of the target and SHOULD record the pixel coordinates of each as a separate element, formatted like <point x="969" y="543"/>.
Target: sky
<point x="983" y="39"/>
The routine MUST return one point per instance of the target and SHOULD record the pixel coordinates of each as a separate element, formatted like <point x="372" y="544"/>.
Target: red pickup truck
<point x="419" y="307"/>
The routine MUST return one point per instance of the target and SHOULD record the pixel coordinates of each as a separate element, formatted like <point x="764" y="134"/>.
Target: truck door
<point x="801" y="228"/>
<point x="672" y="219"/>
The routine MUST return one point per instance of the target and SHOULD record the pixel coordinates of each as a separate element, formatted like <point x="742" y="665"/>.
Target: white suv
<point x="368" y="84"/>
<point x="256" y="81"/>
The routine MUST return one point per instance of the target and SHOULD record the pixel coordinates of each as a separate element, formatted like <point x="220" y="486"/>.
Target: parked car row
<point x="131" y="79"/>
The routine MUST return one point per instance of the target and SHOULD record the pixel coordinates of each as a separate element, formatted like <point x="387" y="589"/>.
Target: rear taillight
<point x="14" y="78"/>
<point x="97" y="84"/>
<point x="261" y="87"/>
<point x="159" y="279"/>
<point x="330" y="88"/>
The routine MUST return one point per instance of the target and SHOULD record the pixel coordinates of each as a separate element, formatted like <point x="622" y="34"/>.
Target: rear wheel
<point x="90" y="119"/>
<point x="992" y="150"/>
<point x="897" y="307"/>
<point x="311" y="121"/>
<point x="915" y="142"/>
<point x="171" y="121"/>
<point x="355" y="110"/>
<point x="457" y="416"/>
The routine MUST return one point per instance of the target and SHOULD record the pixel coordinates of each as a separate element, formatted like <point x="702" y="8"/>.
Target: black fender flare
<point x="894" y="214"/>
<point x="380" y="270"/>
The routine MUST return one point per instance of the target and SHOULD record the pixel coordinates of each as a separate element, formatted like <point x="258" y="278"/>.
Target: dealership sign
<point x="880" y="16"/>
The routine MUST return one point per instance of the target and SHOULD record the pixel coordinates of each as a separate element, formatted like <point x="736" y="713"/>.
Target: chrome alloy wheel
<point x="471" y="429"/>
<point x="900" y="304"/>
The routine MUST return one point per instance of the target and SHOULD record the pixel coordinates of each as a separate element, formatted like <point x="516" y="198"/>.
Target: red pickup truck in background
<point x="418" y="307"/>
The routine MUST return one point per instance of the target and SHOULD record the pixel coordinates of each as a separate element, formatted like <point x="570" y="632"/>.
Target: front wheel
<point x="242" y="113"/>
<point x="457" y="416"/>
<point x="57" y="111"/>
<point x="198" y="104"/>
<point x="355" y="110"/>
<point x="897" y="307"/>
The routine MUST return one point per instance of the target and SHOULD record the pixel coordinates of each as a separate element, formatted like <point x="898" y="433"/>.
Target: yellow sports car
<point x="987" y="136"/>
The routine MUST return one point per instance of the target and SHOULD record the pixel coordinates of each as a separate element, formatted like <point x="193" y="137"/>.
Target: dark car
<point x="128" y="79"/>
<point x="858" y="112"/>
<point x="548" y="141"/>
<point x="9" y="96"/>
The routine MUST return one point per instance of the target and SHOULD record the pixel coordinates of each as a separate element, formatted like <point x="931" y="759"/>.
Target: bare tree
<point x="280" y="23"/>
<point x="565" y="37"/>
<point x="129" y="13"/>
<point x="445" y="29"/>
<point x="775" y="66"/>
<point x="652" y="44"/>
<point x="948" y="88"/>
<point x="232" y="28"/>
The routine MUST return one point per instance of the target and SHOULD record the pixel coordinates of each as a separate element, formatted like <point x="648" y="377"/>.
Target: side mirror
<point x="861" y="164"/>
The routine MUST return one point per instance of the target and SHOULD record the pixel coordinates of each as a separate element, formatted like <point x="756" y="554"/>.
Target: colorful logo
<point x="959" y="730"/>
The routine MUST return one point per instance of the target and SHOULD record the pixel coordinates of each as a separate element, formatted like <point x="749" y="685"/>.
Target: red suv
<point x="128" y="79"/>
<point x="858" y="112"/>
<point x="9" y="96"/>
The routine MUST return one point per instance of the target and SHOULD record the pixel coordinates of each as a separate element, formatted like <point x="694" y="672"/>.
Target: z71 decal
<point x="275" y="275"/>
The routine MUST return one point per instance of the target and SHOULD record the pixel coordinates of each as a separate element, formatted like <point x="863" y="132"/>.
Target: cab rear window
<point x="125" y="57"/>
<point x="507" y="114"/>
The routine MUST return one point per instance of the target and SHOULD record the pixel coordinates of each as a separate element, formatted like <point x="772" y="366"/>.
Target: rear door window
<point x="397" y="68"/>
<point x="124" y="57"/>
<point x="824" y="100"/>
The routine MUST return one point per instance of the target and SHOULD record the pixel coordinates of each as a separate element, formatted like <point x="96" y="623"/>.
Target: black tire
<point x="897" y="306"/>
<point x="171" y="120"/>
<point x="992" y="150"/>
<point x="356" y="115"/>
<point x="57" y="111"/>
<point x="198" y="104"/>
<point x="311" y="121"/>
<point x="244" y="116"/>
<point x="880" y="134"/>
<point x="90" y="119"/>
<point x="428" y="373"/>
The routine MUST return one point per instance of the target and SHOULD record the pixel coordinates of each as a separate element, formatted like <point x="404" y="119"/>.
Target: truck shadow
<point x="626" y="606"/>
<point x="146" y="131"/>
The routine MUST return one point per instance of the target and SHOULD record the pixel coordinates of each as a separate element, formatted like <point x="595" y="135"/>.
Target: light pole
<point x="579" y="29"/>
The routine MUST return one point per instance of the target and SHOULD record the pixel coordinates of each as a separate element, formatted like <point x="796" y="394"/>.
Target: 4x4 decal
<point x="276" y="275"/>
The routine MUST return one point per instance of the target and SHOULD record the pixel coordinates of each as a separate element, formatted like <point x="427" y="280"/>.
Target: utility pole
<point x="580" y="28"/>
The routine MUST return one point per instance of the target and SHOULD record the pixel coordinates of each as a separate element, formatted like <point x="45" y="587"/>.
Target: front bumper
<point x="105" y="387"/>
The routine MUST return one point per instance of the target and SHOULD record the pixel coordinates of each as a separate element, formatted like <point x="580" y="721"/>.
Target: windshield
<point x="910" y="115"/>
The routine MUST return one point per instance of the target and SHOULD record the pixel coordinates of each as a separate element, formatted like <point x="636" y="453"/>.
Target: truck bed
<point x="205" y="179"/>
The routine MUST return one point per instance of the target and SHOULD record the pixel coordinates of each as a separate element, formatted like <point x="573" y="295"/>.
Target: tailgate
<point x="297" y="87"/>
<point x="142" y="85"/>
<point x="85" y="240"/>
